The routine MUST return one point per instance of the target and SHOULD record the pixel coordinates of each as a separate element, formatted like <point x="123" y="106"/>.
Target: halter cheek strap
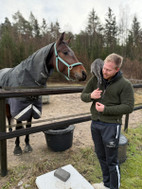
<point x="65" y="63"/>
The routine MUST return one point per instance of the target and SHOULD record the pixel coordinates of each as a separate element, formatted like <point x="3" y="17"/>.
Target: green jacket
<point x="117" y="96"/>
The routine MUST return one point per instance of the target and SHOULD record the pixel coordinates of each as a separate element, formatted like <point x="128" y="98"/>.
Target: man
<point x="113" y="98"/>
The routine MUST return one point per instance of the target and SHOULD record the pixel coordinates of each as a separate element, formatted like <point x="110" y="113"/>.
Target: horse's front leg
<point x="9" y="117"/>
<point x="17" y="150"/>
<point x="9" y="123"/>
<point x="28" y="147"/>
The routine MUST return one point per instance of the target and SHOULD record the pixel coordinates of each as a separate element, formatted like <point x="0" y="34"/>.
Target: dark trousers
<point x="106" y="140"/>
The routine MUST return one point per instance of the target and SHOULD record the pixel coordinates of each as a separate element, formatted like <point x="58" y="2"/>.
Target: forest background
<point x="21" y="37"/>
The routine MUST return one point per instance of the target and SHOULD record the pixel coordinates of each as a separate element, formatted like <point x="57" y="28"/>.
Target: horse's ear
<point x="61" y="38"/>
<point x="68" y="41"/>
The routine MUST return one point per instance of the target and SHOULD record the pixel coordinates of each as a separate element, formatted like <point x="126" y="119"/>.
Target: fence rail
<point x="8" y="93"/>
<point x="37" y="92"/>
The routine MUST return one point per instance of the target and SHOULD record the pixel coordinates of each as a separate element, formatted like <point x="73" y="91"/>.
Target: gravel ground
<point x="61" y="105"/>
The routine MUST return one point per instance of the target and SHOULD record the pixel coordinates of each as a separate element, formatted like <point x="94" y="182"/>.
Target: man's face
<point x="109" y="70"/>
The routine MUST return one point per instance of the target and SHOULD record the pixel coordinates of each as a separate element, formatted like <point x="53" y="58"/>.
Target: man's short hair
<point x="117" y="59"/>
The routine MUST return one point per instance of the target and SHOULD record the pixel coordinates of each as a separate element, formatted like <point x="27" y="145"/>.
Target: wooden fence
<point x="7" y="93"/>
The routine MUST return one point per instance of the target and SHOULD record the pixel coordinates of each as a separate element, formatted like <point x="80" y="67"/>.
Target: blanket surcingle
<point x="31" y="72"/>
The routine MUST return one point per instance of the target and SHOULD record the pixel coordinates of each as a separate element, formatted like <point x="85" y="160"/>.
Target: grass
<point x="85" y="162"/>
<point x="138" y="98"/>
<point x="132" y="170"/>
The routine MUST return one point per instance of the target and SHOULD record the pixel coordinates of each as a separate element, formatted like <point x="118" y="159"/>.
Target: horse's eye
<point x="65" y="53"/>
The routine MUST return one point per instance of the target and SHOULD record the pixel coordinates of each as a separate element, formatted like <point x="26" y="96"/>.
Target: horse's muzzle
<point x="84" y="75"/>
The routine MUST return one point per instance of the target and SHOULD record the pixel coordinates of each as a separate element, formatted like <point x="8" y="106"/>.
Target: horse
<point x="34" y="72"/>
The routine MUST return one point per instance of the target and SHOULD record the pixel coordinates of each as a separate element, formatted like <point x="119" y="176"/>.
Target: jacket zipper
<point x="99" y="113"/>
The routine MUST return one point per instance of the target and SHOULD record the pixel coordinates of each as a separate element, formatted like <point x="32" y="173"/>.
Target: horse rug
<point x="30" y="73"/>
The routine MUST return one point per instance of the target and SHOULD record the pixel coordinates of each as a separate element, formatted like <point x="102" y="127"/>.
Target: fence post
<point x="3" y="145"/>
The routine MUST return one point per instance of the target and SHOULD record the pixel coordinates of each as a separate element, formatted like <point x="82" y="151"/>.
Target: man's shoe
<point x="99" y="186"/>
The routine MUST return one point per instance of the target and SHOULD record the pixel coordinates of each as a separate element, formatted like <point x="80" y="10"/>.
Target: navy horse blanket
<point x="30" y="73"/>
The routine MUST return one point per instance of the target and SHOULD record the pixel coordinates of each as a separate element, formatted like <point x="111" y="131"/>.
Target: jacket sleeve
<point x="127" y="102"/>
<point x="88" y="89"/>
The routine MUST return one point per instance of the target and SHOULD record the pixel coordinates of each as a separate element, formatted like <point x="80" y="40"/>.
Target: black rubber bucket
<point x="59" y="139"/>
<point x="122" y="149"/>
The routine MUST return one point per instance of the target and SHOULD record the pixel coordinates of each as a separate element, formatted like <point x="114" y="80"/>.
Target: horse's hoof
<point x="28" y="148"/>
<point x="17" y="151"/>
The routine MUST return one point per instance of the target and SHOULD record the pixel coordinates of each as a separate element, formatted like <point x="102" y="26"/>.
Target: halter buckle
<point x="70" y="67"/>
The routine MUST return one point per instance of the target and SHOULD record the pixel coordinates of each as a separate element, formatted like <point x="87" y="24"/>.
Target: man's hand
<point x="99" y="107"/>
<point x="96" y="94"/>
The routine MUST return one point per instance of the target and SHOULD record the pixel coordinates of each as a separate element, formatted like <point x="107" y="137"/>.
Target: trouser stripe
<point x="117" y="133"/>
<point x="118" y="174"/>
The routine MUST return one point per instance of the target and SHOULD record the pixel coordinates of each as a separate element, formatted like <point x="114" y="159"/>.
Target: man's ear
<point x="117" y="69"/>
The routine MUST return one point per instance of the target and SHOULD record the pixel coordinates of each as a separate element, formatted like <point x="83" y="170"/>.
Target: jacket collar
<point x="117" y="76"/>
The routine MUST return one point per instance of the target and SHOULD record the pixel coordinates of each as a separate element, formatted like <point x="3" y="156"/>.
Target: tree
<point x="44" y="27"/>
<point x="95" y="40"/>
<point x="55" y="30"/>
<point x="110" y="30"/>
<point x="7" y="44"/>
<point x="135" y="32"/>
<point x="22" y="26"/>
<point x="34" y="25"/>
<point x="93" y="23"/>
<point x="134" y="41"/>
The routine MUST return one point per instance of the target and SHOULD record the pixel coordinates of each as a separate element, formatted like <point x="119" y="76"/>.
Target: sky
<point x="72" y="15"/>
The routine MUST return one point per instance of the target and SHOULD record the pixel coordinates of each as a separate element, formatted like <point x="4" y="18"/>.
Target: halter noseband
<point x="65" y="63"/>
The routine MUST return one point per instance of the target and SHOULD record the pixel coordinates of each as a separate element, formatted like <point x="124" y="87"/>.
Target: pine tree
<point x="134" y="41"/>
<point x="23" y="27"/>
<point x="110" y="30"/>
<point x="95" y="40"/>
<point x="34" y="25"/>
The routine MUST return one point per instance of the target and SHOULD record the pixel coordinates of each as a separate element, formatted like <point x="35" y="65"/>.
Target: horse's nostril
<point x="84" y="76"/>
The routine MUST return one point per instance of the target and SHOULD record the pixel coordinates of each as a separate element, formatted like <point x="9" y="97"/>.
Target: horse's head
<point x="66" y="61"/>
